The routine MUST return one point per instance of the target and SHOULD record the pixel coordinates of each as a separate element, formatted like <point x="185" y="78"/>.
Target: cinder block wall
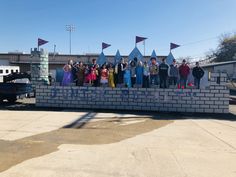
<point x="214" y="99"/>
<point x="39" y="67"/>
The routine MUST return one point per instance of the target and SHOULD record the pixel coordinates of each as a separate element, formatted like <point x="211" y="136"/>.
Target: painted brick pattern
<point x="39" y="67"/>
<point x="214" y="99"/>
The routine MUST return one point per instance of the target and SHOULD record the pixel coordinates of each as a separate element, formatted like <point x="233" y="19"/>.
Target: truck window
<point x="1" y="71"/>
<point x="7" y="71"/>
<point x="12" y="71"/>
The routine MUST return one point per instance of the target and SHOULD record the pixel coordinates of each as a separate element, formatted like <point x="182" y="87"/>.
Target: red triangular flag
<point x="41" y="42"/>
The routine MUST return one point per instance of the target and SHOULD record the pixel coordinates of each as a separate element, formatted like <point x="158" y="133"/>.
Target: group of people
<point x="91" y="74"/>
<point x="179" y="75"/>
<point x="133" y="74"/>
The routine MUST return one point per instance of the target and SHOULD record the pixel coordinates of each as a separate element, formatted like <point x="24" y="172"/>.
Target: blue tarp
<point x="59" y="75"/>
<point x="135" y="53"/>
<point x="170" y="58"/>
<point x="154" y="55"/>
<point x="117" y="57"/>
<point x="101" y="59"/>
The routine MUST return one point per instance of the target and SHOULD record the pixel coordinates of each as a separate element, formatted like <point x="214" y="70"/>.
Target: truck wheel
<point x="11" y="99"/>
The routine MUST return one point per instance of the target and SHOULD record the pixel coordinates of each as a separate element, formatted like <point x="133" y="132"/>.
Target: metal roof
<point x="218" y="64"/>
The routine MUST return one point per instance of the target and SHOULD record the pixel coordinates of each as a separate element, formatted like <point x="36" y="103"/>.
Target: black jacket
<point x="198" y="72"/>
<point x="163" y="70"/>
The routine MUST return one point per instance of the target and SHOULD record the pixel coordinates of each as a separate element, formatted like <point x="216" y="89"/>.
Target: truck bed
<point x="10" y="91"/>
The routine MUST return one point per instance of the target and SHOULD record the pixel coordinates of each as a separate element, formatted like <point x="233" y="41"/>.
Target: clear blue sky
<point x="116" y="22"/>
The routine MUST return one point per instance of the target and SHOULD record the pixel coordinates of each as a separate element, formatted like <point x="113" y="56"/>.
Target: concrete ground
<point x="88" y="144"/>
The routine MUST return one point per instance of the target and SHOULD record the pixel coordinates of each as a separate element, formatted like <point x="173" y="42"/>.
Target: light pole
<point x="70" y="28"/>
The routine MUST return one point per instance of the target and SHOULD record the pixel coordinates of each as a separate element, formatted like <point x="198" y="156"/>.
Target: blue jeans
<point x="153" y="79"/>
<point x="173" y="80"/>
<point x="183" y="82"/>
<point x="197" y="83"/>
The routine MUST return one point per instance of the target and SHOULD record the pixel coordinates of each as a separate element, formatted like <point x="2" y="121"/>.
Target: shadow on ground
<point x="101" y="131"/>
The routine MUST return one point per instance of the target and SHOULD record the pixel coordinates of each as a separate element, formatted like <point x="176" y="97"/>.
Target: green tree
<point x="226" y="50"/>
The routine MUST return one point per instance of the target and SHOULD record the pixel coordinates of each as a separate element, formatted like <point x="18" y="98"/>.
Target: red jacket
<point x="184" y="70"/>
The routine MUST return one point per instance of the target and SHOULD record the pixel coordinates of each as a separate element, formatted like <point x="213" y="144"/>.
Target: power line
<point x="203" y="40"/>
<point x="194" y="42"/>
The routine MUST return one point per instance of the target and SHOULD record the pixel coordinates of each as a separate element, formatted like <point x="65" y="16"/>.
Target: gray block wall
<point x="214" y="99"/>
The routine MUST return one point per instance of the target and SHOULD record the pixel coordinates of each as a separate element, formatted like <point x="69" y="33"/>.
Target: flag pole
<point x="38" y="44"/>
<point x="54" y="51"/>
<point x="144" y="48"/>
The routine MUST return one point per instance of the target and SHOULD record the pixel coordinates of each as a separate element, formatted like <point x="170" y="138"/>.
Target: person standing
<point x="133" y="73"/>
<point x="174" y="73"/>
<point x="116" y="74"/>
<point x="139" y="74"/>
<point x="120" y="72"/>
<point x="198" y="73"/>
<point x="92" y="75"/>
<point x="111" y="76"/>
<point x="98" y="75"/>
<point x="94" y="67"/>
<point x="184" y="71"/>
<point x="163" y="73"/>
<point x="86" y="74"/>
<point x="67" y="76"/>
<point x="127" y="75"/>
<point x="80" y="74"/>
<point x="94" y="63"/>
<point x="104" y="75"/>
<point x="154" y="69"/>
<point x="73" y="70"/>
<point x="146" y="75"/>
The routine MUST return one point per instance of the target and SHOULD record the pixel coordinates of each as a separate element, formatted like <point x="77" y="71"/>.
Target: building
<point x="55" y="61"/>
<point x="228" y="67"/>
